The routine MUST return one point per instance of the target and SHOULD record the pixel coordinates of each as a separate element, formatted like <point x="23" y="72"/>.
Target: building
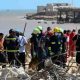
<point x="51" y="9"/>
<point x="62" y="12"/>
<point x="71" y="15"/>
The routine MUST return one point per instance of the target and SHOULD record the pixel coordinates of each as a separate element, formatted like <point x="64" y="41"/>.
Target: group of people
<point x="56" y="43"/>
<point x="12" y="48"/>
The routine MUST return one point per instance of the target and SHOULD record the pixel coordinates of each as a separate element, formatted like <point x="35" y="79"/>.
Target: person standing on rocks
<point x="11" y="47"/>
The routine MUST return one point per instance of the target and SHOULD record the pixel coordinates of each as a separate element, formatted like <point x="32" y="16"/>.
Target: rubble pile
<point x="50" y="72"/>
<point x="54" y="73"/>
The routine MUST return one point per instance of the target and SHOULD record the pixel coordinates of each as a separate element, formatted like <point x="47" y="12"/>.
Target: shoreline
<point x="18" y="22"/>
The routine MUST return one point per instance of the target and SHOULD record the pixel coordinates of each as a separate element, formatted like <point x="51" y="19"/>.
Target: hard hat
<point x="36" y="31"/>
<point x="56" y="29"/>
<point x="11" y="30"/>
<point x="39" y="27"/>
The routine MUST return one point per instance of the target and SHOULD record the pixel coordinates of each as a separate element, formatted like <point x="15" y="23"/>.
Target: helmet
<point x="39" y="27"/>
<point x="11" y="30"/>
<point x="36" y="31"/>
<point x="56" y="29"/>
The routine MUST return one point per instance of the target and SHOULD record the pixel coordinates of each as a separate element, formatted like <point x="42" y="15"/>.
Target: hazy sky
<point x="31" y="4"/>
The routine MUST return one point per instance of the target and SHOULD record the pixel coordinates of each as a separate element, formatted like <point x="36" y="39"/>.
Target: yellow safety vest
<point x="13" y="39"/>
<point x="9" y="50"/>
<point x="49" y="48"/>
<point x="59" y="42"/>
<point x="52" y="42"/>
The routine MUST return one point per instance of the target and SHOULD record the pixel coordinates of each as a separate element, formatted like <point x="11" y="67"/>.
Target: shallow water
<point x="18" y="22"/>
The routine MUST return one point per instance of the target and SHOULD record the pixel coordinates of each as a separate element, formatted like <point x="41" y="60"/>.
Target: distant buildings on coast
<point x="62" y="12"/>
<point x="51" y="9"/>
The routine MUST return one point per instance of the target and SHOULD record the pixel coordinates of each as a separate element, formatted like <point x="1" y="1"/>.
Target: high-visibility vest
<point x="13" y="39"/>
<point x="9" y="50"/>
<point x="59" y="42"/>
<point x="53" y="42"/>
<point x="49" y="48"/>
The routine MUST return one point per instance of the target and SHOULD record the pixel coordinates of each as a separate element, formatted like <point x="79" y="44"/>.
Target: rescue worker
<point x="71" y="43"/>
<point x="63" y="40"/>
<point x="54" y="41"/>
<point x="56" y="46"/>
<point x="48" y="34"/>
<point x="34" y="42"/>
<point x="2" y="54"/>
<point x="11" y="47"/>
<point x="41" y="48"/>
<point x="76" y="40"/>
<point x="34" y="47"/>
